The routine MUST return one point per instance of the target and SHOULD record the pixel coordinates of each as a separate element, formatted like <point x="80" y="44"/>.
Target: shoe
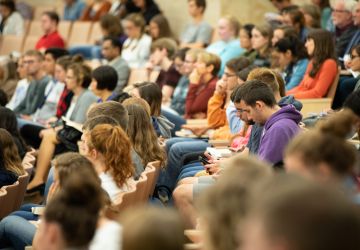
<point x="39" y="188"/>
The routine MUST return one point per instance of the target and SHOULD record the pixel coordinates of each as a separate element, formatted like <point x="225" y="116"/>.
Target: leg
<point x="46" y="152"/>
<point x="345" y="87"/>
<point x="188" y="180"/>
<point x="183" y="199"/>
<point x="84" y="50"/>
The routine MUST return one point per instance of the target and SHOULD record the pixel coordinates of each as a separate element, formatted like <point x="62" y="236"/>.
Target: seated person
<point x="51" y="37"/>
<point x="196" y="34"/>
<point x="73" y="10"/>
<point x="159" y="27"/>
<point x="245" y="36"/>
<point x="103" y="84"/>
<point x="12" y="23"/>
<point x="322" y="68"/>
<point x="10" y="162"/>
<point x="296" y="19"/>
<point x="261" y="43"/>
<point x="162" y="52"/>
<point x="136" y="48"/>
<point x="228" y="46"/>
<point x="8" y="77"/>
<point x="94" y="10"/>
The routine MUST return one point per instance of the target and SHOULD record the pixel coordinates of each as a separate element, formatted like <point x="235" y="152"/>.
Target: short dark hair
<point x="106" y="77"/>
<point x="165" y="43"/>
<point x="252" y="91"/>
<point x="181" y="53"/>
<point x="352" y="102"/>
<point x="112" y="109"/>
<point x="52" y="15"/>
<point x="3" y="98"/>
<point x="115" y="42"/>
<point x="151" y="93"/>
<point x="200" y="4"/>
<point x="56" y="53"/>
<point x="91" y="123"/>
<point x="244" y="73"/>
<point x="238" y="63"/>
<point x="10" y="4"/>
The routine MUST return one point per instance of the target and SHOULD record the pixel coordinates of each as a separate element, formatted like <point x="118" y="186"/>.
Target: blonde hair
<point x="113" y="143"/>
<point x="210" y="59"/>
<point x="234" y="24"/>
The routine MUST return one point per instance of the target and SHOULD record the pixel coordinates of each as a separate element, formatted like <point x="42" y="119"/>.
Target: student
<point x="312" y="15"/>
<point x="141" y="132"/>
<point x="296" y="19"/>
<point x="8" y="77"/>
<point x="322" y="68"/>
<point x="12" y="23"/>
<point x="9" y="122"/>
<point x="77" y="80"/>
<point x="111" y="51"/>
<point x="325" y="9"/>
<point x="162" y="52"/>
<point x="36" y="91"/>
<point x="136" y="48"/>
<point x="245" y="41"/>
<point x="94" y="10"/>
<point x="114" y="167"/>
<point x="282" y="31"/>
<point x="292" y="58"/>
<point x="261" y="43"/>
<point x="148" y="9"/>
<point x="21" y="87"/>
<point x="228" y="46"/>
<point x="159" y="27"/>
<point x="159" y="229"/>
<point x="152" y="94"/>
<point x="196" y="34"/>
<point x="73" y="10"/>
<point x="278" y="217"/>
<point x="10" y="162"/>
<point x="51" y="37"/>
<point x="202" y="85"/>
<point x="257" y="100"/>
<point x="103" y="84"/>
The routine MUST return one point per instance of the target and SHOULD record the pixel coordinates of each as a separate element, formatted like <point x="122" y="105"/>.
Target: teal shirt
<point x="226" y="51"/>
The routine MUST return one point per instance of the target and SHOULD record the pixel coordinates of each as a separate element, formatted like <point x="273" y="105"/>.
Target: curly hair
<point x="113" y="143"/>
<point x="142" y="135"/>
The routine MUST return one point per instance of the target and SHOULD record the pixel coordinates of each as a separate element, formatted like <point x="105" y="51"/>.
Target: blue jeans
<point x="87" y="51"/>
<point x="174" y="118"/>
<point x="190" y="170"/>
<point x="25" y="212"/>
<point x="344" y="89"/>
<point x="176" y="149"/>
<point x="16" y="232"/>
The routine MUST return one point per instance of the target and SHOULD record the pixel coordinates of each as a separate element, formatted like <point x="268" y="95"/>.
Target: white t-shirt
<point x="136" y="51"/>
<point x="107" y="237"/>
<point x="109" y="185"/>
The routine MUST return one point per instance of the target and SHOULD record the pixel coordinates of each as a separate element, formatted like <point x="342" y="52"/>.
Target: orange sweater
<point x="216" y="113"/>
<point x="87" y="15"/>
<point x="318" y="86"/>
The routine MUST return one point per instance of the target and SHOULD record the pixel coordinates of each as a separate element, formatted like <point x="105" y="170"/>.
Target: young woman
<point x="261" y="43"/>
<point x="142" y="134"/>
<point x="109" y="149"/>
<point x="8" y="77"/>
<point x="245" y="36"/>
<point x="312" y="15"/>
<point x="78" y="78"/>
<point x="8" y="122"/>
<point x="136" y="48"/>
<point x="152" y="94"/>
<point x="10" y="162"/>
<point x="325" y="9"/>
<point x="281" y="32"/>
<point x="322" y="68"/>
<point x="292" y="58"/>
<point x="202" y="85"/>
<point x="104" y="81"/>
<point x="159" y="27"/>
<point x="296" y="19"/>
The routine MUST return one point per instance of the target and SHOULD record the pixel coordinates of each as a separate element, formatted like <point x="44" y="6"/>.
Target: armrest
<point x="219" y="143"/>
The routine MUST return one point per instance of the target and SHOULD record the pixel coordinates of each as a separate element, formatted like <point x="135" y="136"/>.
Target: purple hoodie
<point x="278" y="130"/>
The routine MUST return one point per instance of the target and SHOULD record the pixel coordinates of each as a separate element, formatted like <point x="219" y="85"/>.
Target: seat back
<point x="12" y="192"/>
<point x="23" y="181"/>
<point x="79" y="33"/>
<point x="332" y="89"/>
<point x="64" y="29"/>
<point x="10" y="43"/>
<point x="30" y="43"/>
<point x="153" y="176"/>
<point x="35" y="29"/>
<point x="141" y="190"/>
<point x="127" y="199"/>
<point x="95" y="33"/>
<point x="138" y="75"/>
<point x="40" y="9"/>
<point x="314" y="106"/>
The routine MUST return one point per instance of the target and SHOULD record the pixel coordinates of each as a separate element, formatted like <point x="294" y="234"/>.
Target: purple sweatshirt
<point x="278" y="130"/>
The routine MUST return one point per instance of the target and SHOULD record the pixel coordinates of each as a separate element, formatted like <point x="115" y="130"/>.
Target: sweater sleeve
<point x="216" y="114"/>
<point x="197" y="102"/>
<point x="298" y="74"/>
<point x="326" y="77"/>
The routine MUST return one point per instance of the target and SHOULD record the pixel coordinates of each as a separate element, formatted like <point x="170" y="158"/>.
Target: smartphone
<point x="203" y="160"/>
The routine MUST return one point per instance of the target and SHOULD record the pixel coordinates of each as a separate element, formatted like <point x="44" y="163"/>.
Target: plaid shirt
<point x="64" y="102"/>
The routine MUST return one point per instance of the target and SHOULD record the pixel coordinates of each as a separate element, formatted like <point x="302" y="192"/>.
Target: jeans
<point x="25" y="212"/>
<point x="176" y="149"/>
<point x="345" y="87"/>
<point x="16" y="232"/>
<point x="190" y="170"/>
<point x="87" y="51"/>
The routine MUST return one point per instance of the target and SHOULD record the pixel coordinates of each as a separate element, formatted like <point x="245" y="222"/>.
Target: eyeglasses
<point x="340" y="11"/>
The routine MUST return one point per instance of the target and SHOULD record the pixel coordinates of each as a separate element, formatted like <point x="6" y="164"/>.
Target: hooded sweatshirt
<point x="278" y="130"/>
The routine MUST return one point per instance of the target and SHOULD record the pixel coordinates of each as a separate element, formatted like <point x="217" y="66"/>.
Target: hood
<point x="286" y="112"/>
<point x="286" y="100"/>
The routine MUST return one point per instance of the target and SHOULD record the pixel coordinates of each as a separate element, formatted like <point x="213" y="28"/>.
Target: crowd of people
<point x="285" y="180"/>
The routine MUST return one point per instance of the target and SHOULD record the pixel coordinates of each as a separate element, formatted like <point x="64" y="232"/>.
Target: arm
<point x="190" y="99"/>
<point x="325" y="78"/>
<point x="216" y="114"/>
<point x="143" y="50"/>
<point x="298" y="74"/>
<point x="234" y="121"/>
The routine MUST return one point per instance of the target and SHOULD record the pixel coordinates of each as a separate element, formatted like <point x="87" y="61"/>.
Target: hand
<point x="195" y="77"/>
<point x="212" y="168"/>
<point x="238" y="149"/>
<point x="221" y="87"/>
<point x="50" y="121"/>
<point x="149" y="66"/>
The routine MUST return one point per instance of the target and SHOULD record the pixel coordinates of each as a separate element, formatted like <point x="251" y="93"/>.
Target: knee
<point x="182" y="194"/>
<point x="188" y="180"/>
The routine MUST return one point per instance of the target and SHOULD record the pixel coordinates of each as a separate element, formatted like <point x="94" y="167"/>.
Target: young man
<point x="51" y="37"/>
<point x="197" y="34"/>
<point x="162" y="50"/>
<point x="111" y="51"/>
<point x="36" y="91"/>
<point x="256" y="99"/>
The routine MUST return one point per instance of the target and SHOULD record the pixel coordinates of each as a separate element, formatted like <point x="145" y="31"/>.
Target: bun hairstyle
<point x="113" y="143"/>
<point x="75" y="208"/>
<point x="82" y="73"/>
